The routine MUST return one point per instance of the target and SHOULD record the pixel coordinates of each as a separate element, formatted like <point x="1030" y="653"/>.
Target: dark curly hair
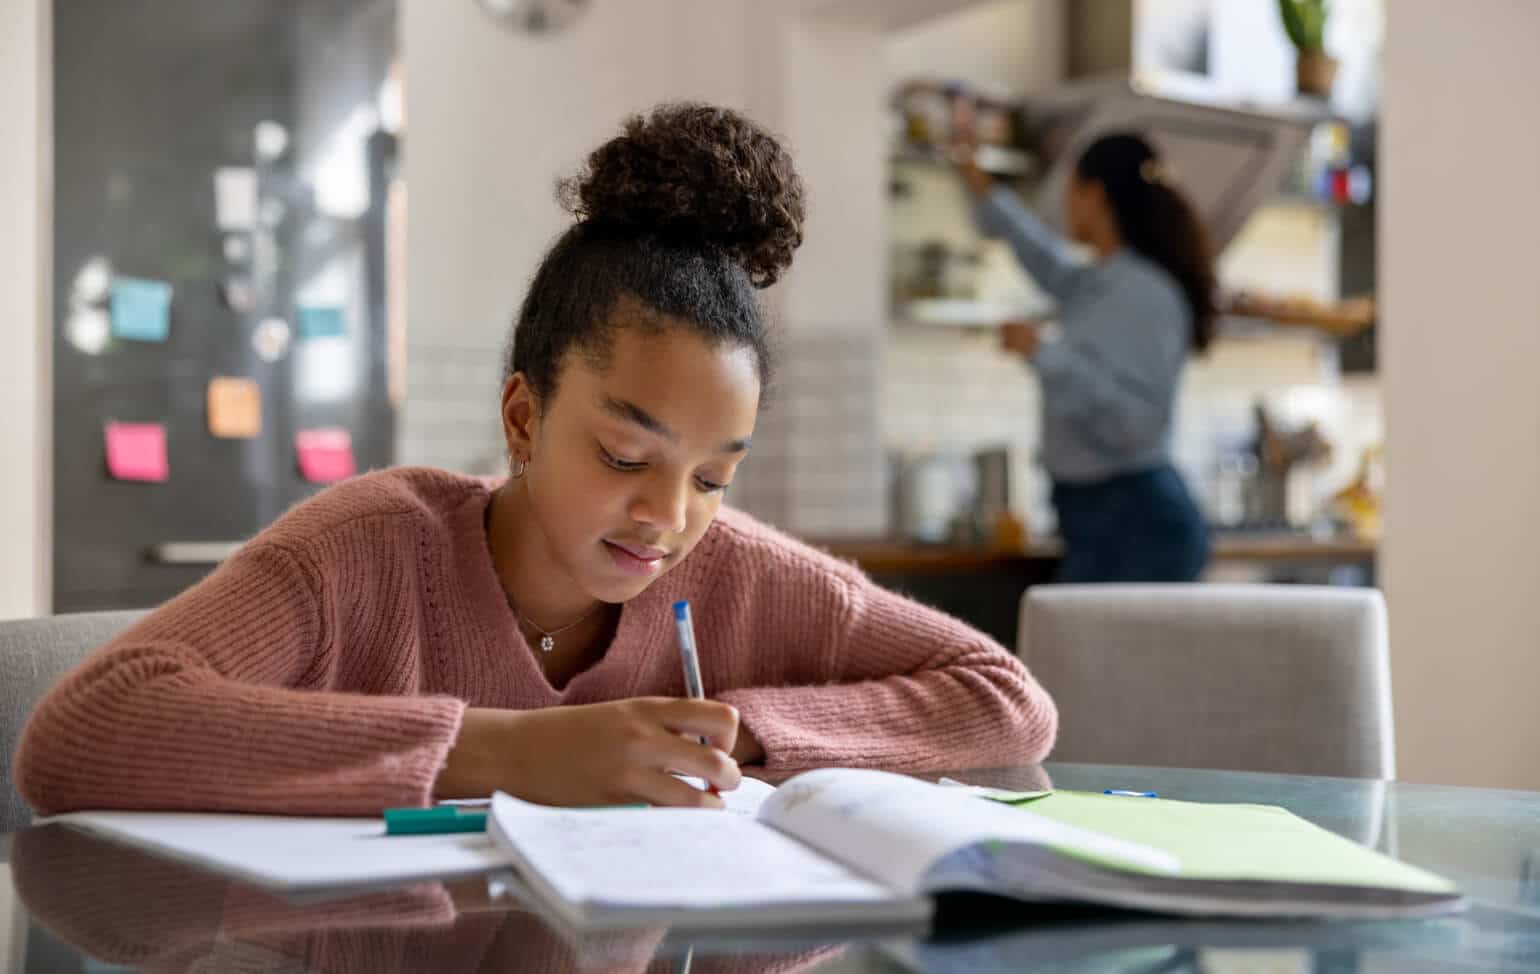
<point x="687" y="211"/>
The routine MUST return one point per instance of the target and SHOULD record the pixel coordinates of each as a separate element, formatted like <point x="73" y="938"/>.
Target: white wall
<point x="1461" y="339"/>
<point x="25" y="243"/>
<point x="1016" y="46"/>
<point x="494" y="117"/>
<point x="833" y="117"/>
<point x="24" y="388"/>
<point x="25" y="509"/>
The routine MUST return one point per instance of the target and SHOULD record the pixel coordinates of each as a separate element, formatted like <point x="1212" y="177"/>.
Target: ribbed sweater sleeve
<point x="218" y="701"/>
<point x="894" y="684"/>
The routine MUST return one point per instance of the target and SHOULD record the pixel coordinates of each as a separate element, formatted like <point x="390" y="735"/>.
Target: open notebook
<point x="319" y="857"/>
<point x="847" y="846"/>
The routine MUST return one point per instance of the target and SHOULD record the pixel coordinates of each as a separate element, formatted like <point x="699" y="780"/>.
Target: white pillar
<point x="1460" y="291"/>
<point x="26" y="243"/>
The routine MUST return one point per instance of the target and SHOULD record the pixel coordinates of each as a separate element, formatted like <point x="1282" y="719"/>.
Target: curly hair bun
<point x="697" y="175"/>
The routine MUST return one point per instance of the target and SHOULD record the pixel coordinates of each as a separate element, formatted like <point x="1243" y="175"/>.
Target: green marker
<point x="441" y="819"/>
<point x="433" y="821"/>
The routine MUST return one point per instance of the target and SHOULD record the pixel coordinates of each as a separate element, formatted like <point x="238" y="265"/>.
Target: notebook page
<point x="670" y="857"/>
<point x="744" y="800"/>
<point x="896" y="828"/>
<point x="295" y="853"/>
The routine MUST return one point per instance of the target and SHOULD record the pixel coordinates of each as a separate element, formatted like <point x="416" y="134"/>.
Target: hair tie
<point x="1152" y="172"/>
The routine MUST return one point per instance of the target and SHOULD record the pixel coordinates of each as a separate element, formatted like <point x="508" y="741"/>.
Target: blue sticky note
<point x="321" y="322"/>
<point x="141" y="310"/>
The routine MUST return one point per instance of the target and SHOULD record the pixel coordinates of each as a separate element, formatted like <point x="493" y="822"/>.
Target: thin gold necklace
<point x="548" y="637"/>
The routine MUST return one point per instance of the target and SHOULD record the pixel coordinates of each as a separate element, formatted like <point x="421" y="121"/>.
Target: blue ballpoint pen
<point x="693" y="686"/>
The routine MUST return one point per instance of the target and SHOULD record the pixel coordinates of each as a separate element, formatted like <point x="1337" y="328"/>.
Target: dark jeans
<point x="1137" y="527"/>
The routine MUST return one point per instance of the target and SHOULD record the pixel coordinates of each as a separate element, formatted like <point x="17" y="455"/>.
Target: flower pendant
<point x="547" y="644"/>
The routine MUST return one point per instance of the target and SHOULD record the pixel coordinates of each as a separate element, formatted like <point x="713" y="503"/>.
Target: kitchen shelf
<point x="962" y="313"/>
<point x="998" y="160"/>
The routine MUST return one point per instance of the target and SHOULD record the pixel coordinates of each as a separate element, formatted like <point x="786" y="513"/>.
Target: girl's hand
<point x="597" y="754"/>
<point x="1020" y="337"/>
<point x="747" y="749"/>
<point x="964" y="155"/>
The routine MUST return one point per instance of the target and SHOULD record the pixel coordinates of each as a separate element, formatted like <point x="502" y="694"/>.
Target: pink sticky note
<point x="137" y="451"/>
<point x="325" y="455"/>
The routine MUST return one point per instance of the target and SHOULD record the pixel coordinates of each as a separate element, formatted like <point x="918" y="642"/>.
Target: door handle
<point x="193" y="552"/>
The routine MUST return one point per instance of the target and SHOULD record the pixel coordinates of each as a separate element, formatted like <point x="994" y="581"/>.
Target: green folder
<point x="1233" y="843"/>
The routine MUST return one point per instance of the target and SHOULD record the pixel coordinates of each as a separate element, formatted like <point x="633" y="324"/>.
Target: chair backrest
<point x="1282" y="678"/>
<point x="34" y="654"/>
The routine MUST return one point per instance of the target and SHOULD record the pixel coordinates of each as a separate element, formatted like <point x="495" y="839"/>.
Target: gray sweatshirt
<point x="1110" y="379"/>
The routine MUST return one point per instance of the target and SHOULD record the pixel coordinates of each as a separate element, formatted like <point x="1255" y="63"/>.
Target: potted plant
<point x="1305" y="22"/>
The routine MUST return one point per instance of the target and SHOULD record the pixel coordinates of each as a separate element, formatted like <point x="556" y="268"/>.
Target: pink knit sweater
<point x="324" y="669"/>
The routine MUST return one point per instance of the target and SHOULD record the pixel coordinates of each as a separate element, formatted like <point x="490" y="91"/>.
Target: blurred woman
<point x="1111" y="365"/>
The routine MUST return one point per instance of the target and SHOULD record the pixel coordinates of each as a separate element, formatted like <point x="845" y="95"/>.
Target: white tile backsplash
<point x="450" y="418"/>
<point x="817" y="465"/>
<point x="956" y="393"/>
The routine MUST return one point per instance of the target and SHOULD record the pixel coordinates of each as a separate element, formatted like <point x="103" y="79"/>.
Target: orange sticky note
<point x="325" y="455"/>
<point x="235" y="408"/>
<point x="137" y="451"/>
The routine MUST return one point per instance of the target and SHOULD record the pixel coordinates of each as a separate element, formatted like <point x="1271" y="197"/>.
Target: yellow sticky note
<point x="235" y="408"/>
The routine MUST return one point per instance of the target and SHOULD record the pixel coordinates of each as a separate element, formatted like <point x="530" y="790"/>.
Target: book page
<point x="670" y="857"/>
<point x="895" y="828"/>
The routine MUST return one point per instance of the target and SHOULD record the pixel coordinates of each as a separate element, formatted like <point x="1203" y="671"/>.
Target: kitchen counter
<point x="885" y="557"/>
<point x="983" y="586"/>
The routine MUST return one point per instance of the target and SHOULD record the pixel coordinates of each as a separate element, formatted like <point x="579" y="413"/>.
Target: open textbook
<point x="844" y="846"/>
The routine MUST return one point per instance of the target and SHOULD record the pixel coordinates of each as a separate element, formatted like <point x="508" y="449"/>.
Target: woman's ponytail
<point x="1157" y="220"/>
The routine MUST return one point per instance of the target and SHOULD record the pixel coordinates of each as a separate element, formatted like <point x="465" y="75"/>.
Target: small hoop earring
<point x="516" y="470"/>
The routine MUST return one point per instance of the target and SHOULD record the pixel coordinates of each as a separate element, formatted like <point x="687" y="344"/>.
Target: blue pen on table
<point x="693" y="685"/>
<point x="1130" y="794"/>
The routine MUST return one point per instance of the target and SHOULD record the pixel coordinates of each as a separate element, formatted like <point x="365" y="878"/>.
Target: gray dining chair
<point x="1280" y="678"/>
<point x="34" y="654"/>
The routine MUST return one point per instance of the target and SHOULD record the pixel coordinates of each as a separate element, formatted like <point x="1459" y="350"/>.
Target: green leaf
<point x="1305" y="22"/>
